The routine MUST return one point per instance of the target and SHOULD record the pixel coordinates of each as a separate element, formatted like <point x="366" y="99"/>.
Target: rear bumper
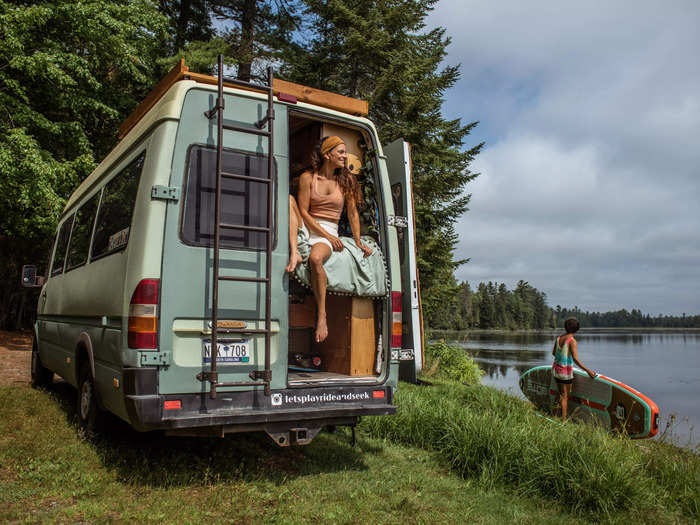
<point x="250" y="409"/>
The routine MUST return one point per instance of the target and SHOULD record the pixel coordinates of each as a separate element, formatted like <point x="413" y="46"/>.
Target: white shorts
<point x="329" y="226"/>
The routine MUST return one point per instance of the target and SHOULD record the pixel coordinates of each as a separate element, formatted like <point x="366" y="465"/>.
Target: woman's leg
<point x="319" y="254"/>
<point x="565" y="391"/>
<point x="295" y="222"/>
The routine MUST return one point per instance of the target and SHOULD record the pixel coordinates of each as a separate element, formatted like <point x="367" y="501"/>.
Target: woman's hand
<point x="592" y="373"/>
<point x="365" y="249"/>
<point x="336" y="243"/>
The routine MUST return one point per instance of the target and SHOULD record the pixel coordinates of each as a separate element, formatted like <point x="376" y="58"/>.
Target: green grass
<point x="500" y="442"/>
<point x="453" y="453"/>
<point x="51" y="473"/>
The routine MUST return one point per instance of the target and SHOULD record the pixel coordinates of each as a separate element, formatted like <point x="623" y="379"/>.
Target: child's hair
<point x="571" y="325"/>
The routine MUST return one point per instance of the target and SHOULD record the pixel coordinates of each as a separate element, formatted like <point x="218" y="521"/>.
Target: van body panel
<point x="93" y="300"/>
<point x="186" y="284"/>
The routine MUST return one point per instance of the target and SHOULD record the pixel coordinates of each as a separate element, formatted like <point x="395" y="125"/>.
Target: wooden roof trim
<point x="319" y="97"/>
<point x="302" y="93"/>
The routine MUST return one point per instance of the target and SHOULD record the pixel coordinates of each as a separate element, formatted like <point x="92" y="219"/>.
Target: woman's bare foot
<point x="321" y="329"/>
<point x="293" y="261"/>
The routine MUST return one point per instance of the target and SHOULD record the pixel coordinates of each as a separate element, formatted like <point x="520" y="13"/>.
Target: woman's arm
<point x="304" y="200"/>
<point x="574" y="354"/>
<point x="354" y="219"/>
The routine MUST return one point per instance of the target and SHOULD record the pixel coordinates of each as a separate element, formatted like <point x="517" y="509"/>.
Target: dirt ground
<point x="15" y="357"/>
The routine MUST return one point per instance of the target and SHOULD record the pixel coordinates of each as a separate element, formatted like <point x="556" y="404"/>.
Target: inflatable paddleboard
<point x="603" y="400"/>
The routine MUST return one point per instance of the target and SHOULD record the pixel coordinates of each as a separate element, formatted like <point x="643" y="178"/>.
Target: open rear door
<point x="398" y="161"/>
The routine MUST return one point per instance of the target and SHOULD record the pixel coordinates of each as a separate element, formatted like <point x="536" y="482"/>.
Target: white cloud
<point x="590" y="178"/>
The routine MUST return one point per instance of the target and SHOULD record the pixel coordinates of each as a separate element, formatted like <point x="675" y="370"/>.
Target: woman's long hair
<point x="346" y="180"/>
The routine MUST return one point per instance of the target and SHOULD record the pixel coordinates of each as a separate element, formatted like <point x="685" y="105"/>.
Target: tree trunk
<point x="182" y="21"/>
<point x="245" y="49"/>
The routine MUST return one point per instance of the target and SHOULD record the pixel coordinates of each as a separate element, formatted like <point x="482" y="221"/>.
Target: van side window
<point x="114" y="218"/>
<point x="59" y="256"/>
<point x="82" y="230"/>
<point x="243" y="202"/>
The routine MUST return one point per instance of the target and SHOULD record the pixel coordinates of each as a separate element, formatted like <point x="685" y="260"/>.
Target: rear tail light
<point x="396" y="319"/>
<point x="143" y="315"/>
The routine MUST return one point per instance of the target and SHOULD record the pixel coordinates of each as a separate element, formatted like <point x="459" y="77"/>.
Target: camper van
<point x="166" y="300"/>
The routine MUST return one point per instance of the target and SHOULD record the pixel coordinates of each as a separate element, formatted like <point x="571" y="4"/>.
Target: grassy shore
<point x="453" y="453"/>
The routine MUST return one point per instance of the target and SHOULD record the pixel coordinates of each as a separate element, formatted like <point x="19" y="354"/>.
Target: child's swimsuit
<point x="563" y="367"/>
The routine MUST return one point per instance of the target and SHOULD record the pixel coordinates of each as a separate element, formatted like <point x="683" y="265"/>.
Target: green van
<point x="166" y="300"/>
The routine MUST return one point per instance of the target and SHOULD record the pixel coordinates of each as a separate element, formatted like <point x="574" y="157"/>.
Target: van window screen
<point x="242" y="202"/>
<point x="114" y="218"/>
<point x="61" y="244"/>
<point x="82" y="230"/>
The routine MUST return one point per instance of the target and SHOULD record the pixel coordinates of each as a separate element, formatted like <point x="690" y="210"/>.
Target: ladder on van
<point x="258" y="377"/>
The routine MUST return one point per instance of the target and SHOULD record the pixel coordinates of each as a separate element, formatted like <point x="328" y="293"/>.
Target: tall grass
<point x="450" y="362"/>
<point x="500" y="441"/>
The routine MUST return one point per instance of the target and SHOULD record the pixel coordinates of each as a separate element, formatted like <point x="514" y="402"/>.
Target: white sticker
<point x="119" y="239"/>
<point x="276" y="399"/>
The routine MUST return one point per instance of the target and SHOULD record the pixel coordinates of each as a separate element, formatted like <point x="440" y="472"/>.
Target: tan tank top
<point x="326" y="207"/>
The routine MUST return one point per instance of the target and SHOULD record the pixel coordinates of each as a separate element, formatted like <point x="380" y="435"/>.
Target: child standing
<point x="565" y="355"/>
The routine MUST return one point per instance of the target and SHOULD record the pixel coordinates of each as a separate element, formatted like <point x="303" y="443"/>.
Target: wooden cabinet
<point x="351" y="345"/>
<point x="350" y="348"/>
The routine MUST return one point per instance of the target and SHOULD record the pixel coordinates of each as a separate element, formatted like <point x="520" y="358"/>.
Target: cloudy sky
<point x="590" y="178"/>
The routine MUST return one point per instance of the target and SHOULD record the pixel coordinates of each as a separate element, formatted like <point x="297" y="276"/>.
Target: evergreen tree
<point x="256" y="30"/>
<point x="189" y="21"/>
<point x="380" y="51"/>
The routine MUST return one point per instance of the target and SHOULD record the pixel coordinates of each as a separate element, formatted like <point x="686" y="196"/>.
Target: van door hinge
<point x="168" y="193"/>
<point x="155" y="358"/>
<point x="398" y="220"/>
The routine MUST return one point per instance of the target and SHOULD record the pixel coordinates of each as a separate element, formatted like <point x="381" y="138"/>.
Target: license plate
<point x="237" y="351"/>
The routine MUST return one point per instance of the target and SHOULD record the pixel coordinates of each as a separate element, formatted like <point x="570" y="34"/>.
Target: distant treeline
<point x="624" y="318"/>
<point x="492" y="306"/>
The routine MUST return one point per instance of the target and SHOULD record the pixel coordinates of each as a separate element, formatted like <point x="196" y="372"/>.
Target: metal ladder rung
<point x="244" y="279"/>
<point x="243" y="129"/>
<point x="244" y="177"/>
<point x="244" y="227"/>
<point x="241" y="383"/>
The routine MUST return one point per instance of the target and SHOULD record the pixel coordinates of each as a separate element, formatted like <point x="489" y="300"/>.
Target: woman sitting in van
<point x="322" y="194"/>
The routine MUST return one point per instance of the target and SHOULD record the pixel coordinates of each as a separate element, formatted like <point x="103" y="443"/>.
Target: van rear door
<point x="187" y="268"/>
<point x="398" y="161"/>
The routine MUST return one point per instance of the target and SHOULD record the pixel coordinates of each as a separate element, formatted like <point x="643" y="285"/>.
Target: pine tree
<point x="189" y="21"/>
<point x="256" y="31"/>
<point x="380" y="51"/>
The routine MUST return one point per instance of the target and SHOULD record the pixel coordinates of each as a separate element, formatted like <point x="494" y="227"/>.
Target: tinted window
<point x="82" y="230"/>
<point x="114" y="218"/>
<point x="242" y="202"/>
<point x="61" y="244"/>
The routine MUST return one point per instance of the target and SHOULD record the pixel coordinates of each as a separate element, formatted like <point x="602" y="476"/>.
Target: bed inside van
<point x="352" y="351"/>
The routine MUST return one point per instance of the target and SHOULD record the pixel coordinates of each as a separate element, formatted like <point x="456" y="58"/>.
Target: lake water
<point x="663" y="365"/>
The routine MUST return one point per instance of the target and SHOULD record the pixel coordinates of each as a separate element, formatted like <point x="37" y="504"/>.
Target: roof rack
<point x="300" y="92"/>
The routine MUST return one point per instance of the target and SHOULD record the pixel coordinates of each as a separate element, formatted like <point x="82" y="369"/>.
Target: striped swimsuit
<point x="563" y="367"/>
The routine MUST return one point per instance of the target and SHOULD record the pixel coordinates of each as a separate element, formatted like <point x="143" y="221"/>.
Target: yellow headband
<point x="330" y="143"/>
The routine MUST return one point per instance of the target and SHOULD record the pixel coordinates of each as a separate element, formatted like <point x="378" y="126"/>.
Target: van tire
<point x="41" y="377"/>
<point x="89" y="413"/>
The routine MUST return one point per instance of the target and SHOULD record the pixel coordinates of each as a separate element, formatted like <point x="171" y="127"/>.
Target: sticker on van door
<point x="118" y="240"/>
<point x="229" y="351"/>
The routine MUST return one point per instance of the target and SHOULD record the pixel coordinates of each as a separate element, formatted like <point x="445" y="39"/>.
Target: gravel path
<point x="15" y="357"/>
